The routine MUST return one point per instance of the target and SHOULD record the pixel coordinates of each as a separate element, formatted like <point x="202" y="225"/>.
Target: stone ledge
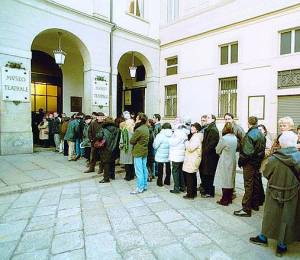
<point x="43" y="184"/>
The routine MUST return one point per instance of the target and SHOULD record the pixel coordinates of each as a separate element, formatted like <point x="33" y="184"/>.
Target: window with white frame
<point x="229" y="53"/>
<point x="171" y="100"/>
<point x="171" y="66"/>
<point x="172" y="10"/>
<point x="228" y="96"/>
<point x="136" y="7"/>
<point x="290" y="41"/>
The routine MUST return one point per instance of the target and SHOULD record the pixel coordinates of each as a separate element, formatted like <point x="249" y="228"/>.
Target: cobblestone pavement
<point x="88" y="220"/>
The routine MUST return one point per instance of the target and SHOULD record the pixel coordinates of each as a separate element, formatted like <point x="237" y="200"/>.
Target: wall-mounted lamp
<point x="59" y="54"/>
<point x="132" y="68"/>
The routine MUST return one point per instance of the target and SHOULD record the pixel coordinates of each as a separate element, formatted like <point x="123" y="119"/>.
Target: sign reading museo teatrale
<point x="15" y="85"/>
<point x="100" y="92"/>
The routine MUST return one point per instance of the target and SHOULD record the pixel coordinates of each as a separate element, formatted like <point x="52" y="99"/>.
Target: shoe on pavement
<point x="174" y="191"/>
<point x="280" y="251"/>
<point x="206" y="196"/>
<point x="256" y="208"/>
<point x="241" y="213"/>
<point x="188" y="197"/>
<point x="258" y="241"/>
<point x="137" y="191"/>
<point x="89" y="170"/>
<point x="104" y="181"/>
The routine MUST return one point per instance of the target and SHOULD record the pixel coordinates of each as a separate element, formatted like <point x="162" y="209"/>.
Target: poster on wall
<point x="15" y="84"/>
<point x="256" y="107"/>
<point x="76" y="104"/>
<point x="127" y="98"/>
<point x="100" y="92"/>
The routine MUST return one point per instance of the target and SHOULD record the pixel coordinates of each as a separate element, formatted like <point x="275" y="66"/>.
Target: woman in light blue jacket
<point x="161" y="145"/>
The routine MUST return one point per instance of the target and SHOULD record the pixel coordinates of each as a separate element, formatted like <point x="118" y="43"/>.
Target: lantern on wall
<point x="132" y="68"/>
<point x="59" y="54"/>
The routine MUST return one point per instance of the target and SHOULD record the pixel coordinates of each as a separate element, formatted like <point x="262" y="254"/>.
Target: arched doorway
<point x="131" y="92"/>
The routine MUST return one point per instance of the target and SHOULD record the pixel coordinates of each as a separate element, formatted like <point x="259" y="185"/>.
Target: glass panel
<point x="52" y="104"/>
<point x="32" y="103"/>
<point x="140" y="8"/>
<point x="233" y="103"/>
<point x="40" y="89"/>
<point x="32" y="88"/>
<point x="224" y="55"/>
<point x="285" y="43"/>
<point x="171" y="70"/>
<point x="234" y="53"/>
<point x="172" y="61"/>
<point x="40" y="102"/>
<point x="51" y="90"/>
<point x="175" y="106"/>
<point x="297" y="41"/>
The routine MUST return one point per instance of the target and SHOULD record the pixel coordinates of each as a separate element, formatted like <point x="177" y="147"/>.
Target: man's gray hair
<point x="288" y="139"/>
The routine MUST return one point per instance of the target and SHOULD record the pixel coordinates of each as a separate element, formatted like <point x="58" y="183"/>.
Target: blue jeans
<point x="79" y="151"/>
<point x="141" y="172"/>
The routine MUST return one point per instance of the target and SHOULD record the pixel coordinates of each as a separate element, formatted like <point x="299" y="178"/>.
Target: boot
<point x="159" y="179"/>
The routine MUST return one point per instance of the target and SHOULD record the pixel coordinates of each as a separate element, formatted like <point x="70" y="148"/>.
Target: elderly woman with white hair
<point x="281" y="220"/>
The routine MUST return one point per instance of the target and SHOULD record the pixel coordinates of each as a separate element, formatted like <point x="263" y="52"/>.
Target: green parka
<point x="281" y="219"/>
<point x="140" y="140"/>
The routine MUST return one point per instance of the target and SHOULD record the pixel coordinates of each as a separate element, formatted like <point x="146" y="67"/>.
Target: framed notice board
<point x="76" y="104"/>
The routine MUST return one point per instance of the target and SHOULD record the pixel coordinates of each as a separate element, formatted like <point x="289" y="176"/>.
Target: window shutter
<point x="285" y="44"/>
<point x="224" y="55"/>
<point x="234" y="53"/>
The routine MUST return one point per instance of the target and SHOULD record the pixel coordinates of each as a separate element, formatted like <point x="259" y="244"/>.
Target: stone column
<point x="152" y="97"/>
<point x="15" y="117"/>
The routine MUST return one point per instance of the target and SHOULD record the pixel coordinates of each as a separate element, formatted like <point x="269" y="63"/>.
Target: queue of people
<point x="149" y="149"/>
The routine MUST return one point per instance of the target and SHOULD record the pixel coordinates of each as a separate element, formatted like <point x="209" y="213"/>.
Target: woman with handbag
<point x="44" y="132"/>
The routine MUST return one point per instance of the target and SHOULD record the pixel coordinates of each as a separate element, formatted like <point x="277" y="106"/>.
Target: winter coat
<point x="239" y="133"/>
<point x="55" y="125"/>
<point x="210" y="158"/>
<point x="157" y="129"/>
<point x="43" y="130"/>
<point x="253" y="148"/>
<point x="94" y="128"/>
<point x="72" y="130"/>
<point x="126" y="129"/>
<point x="111" y="134"/>
<point x="63" y="129"/>
<point x="281" y="220"/>
<point x="192" y="156"/>
<point x="85" y="138"/>
<point x="161" y="145"/>
<point x="177" y="145"/>
<point x="139" y="140"/>
<point x="150" y="157"/>
<point x="226" y="169"/>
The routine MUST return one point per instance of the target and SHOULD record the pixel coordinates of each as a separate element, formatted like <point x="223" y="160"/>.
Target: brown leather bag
<point x="99" y="144"/>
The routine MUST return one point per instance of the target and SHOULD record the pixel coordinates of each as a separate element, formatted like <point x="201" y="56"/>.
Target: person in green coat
<point x="140" y="140"/>
<point x="281" y="220"/>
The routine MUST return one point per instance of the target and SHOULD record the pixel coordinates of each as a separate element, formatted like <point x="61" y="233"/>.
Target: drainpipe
<point x="111" y="55"/>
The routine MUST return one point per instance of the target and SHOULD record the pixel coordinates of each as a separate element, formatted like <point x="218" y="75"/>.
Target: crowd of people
<point x="149" y="149"/>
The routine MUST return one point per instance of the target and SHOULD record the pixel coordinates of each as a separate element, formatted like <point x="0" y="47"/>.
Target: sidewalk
<point x="19" y="173"/>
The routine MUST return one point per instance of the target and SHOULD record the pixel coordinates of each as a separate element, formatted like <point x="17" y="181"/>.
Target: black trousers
<point x="208" y="184"/>
<point x="191" y="184"/>
<point x="178" y="176"/>
<point x="160" y="166"/>
<point x="109" y="170"/>
<point x="129" y="170"/>
<point x="87" y="153"/>
<point x="66" y="148"/>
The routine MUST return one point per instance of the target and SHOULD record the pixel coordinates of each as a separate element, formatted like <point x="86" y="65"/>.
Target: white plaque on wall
<point x="15" y="84"/>
<point x="101" y="93"/>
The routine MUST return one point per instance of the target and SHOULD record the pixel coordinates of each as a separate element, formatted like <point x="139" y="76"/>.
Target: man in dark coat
<point x="251" y="155"/>
<point x="210" y="158"/>
<point x="94" y="128"/>
<point x="108" y="154"/>
<point x="281" y="220"/>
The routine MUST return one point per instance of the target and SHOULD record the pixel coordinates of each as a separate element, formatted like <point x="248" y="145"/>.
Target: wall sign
<point x="256" y="106"/>
<point x="100" y="92"/>
<point x="76" y="104"/>
<point x="127" y="98"/>
<point x="15" y="85"/>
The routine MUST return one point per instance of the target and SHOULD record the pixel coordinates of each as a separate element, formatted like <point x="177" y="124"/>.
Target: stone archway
<point x="133" y="91"/>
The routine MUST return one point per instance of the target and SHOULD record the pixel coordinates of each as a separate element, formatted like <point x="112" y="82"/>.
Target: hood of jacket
<point x="289" y="156"/>
<point x="166" y="132"/>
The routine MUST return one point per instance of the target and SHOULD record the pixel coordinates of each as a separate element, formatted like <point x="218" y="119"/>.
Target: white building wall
<point x="259" y="60"/>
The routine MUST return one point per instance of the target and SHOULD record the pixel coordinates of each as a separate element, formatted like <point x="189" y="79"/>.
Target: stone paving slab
<point x="87" y="220"/>
<point x="20" y="173"/>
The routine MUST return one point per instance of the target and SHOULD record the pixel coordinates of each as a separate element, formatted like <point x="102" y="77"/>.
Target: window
<point x="172" y="10"/>
<point x="229" y="53"/>
<point x="228" y="96"/>
<point x="171" y="100"/>
<point x="290" y="41"/>
<point x="172" y="64"/>
<point x="288" y="79"/>
<point x="44" y="95"/>
<point x="136" y="7"/>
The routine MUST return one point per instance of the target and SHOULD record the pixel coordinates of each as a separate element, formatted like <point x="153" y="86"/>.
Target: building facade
<point x="246" y="63"/>
<point x="192" y="57"/>
<point x="101" y="39"/>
